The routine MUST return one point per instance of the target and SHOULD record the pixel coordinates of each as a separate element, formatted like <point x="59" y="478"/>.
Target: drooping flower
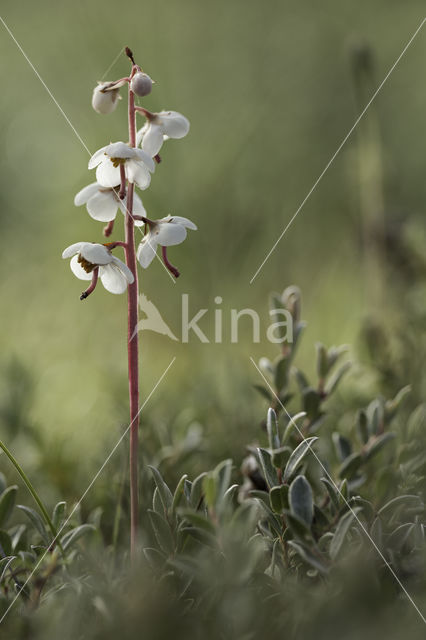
<point x="137" y="165"/>
<point x="89" y="258"/>
<point x="159" y="127"/>
<point x="105" y="100"/>
<point x="102" y="203"/>
<point x="166" y="232"/>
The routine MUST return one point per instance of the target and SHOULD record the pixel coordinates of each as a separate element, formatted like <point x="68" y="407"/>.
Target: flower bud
<point x="141" y="84"/>
<point x="105" y="101"/>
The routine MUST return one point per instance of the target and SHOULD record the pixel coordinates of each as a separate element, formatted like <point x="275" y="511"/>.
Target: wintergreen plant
<point x="120" y="168"/>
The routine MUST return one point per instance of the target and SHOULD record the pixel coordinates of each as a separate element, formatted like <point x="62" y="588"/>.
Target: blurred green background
<point x="269" y="91"/>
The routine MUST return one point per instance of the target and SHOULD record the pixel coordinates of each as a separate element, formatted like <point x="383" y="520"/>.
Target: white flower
<point x="137" y="164"/>
<point x="104" y="101"/>
<point x="102" y="203"/>
<point x="87" y="256"/>
<point x="165" y="232"/>
<point x="159" y="127"/>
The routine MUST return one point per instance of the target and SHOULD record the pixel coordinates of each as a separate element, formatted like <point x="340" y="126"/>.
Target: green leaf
<point x="375" y="414"/>
<point x="229" y="499"/>
<point x="164" y="491"/>
<point x="37" y="522"/>
<point x="332" y="492"/>
<point x="342" y="445"/>
<point x="280" y="457"/>
<point x="179" y="493"/>
<point x="362" y="426"/>
<point x="201" y="535"/>
<point x="3" y="482"/>
<point x="268" y="468"/>
<point x="405" y="501"/>
<point x="267" y="395"/>
<point x="197" y="491"/>
<point x="301" y="499"/>
<point x="282" y="372"/>
<point x="278" y="497"/>
<point x="344" y="492"/>
<point x="59" y="514"/>
<point x="335" y="379"/>
<point x="157" y="504"/>
<point x="272" y="429"/>
<point x="342" y="529"/>
<point x="322" y="360"/>
<point x="311" y="402"/>
<point x="392" y="406"/>
<point x="334" y="354"/>
<point x="71" y="537"/>
<point x="7" y="502"/>
<point x="5" y="543"/>
<point x="298" y="527"/>
<point x="302" y="380"/>
<point x="162" y="532"/>
<point x="4" y="565"/>
<point x="399" y="537"/>
<point x="154" y="558"/>
<point x="377" y="444"/>
<point x="292" y="424"/>
<point x="198" y="520"/>
<point x="350" y="465"/>
<point x="297" y="456"/>
<point x="210" y="489"/>
<point x="223" y="472"/>
<point x="309" y="557"/>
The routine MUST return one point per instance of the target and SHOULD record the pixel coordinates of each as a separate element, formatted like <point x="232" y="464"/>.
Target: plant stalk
<point x="132" y="345"/>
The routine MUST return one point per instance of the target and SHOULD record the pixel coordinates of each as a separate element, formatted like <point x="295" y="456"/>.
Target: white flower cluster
<point x="119" y="165"/>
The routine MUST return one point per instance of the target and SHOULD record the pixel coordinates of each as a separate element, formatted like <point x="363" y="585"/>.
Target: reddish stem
<point x="148" y="114"/>
<point x="112" y="245"/>
<point x="108" y="228"/>
<point x="122" y="191"/>
<point x="92" y="286"/>
<point x="132" y="346"/>
<point x="168" y="264"/>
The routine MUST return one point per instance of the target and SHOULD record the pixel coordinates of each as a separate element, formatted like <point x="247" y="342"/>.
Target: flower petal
<point x="86" y="193"/>
<point x="119" y="150"/>
<point x="96" y="158"/>
<point x="168" y="234"/>
<point x="103" y="206"/>
<point x="107" y="175"/>
<point x="72" y="250"/>
<point x="152" y="140"/>
<point x="174" y="124"/>
<point x="78" y="270"/>
<point x="185" y="222"/>
<point x="140" y="134"/>
<point x="95" y="253"/>
<point x="124" y="269"/>
<point x="138" y="173"/>
<point x="146" y="159"/>
<point x="112" y="278"/>
<point x="146" y="251"/>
